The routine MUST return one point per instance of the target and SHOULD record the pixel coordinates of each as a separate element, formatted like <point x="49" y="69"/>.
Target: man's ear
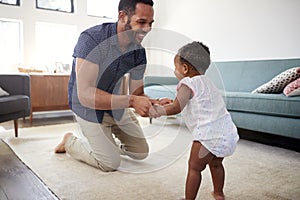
<point x="123" y="17"/>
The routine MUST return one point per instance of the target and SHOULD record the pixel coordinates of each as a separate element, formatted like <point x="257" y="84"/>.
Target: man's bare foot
<point x="218" y="196"/>
<point x="60" y="148"/>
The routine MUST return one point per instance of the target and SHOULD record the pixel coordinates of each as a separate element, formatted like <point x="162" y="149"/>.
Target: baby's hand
<point x="165" y="101"/>
<point x="161" y="101"/>
<point x="154" y="101"/>
<point x="154" y="111"/>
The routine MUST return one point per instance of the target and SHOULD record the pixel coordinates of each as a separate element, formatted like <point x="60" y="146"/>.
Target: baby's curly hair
<point x="196" y="55"/>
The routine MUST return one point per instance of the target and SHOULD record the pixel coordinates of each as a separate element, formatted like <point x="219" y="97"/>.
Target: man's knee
<point x="109" y="165"/>
<point x="139" y="153"/>
<point x="140" y="156"/>
<point x="145" y="152"/>
<point x="108" y="162"/>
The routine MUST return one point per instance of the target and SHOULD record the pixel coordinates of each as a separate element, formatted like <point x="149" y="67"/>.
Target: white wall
<point x="237" y="29"/>
<point x="234" y="29"/>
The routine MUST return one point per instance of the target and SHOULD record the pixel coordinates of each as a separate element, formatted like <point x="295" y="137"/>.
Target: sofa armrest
<point x="15" y="84"/>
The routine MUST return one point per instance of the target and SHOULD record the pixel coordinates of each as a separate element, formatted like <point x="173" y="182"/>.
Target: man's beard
<point x="131" y="34"/>
<point x="128" y="27"/>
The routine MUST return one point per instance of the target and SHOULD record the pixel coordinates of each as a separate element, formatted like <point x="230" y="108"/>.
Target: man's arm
<point x="92" y="97"/>
<point x="136" y="88"/>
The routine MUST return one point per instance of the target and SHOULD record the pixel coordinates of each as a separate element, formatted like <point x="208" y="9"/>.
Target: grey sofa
<point x="267" y="113"/>
<point x="17" y="104"/>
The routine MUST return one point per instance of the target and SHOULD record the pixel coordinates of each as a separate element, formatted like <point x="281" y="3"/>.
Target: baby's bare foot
<point x="60" y="148"/>
<point x="218" y="196"/>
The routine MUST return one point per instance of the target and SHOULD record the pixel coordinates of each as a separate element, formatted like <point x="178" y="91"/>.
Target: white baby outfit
<point x="207" y="118"/>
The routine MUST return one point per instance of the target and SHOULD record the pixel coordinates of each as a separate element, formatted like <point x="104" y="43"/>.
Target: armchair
<point x="17" y="104"/>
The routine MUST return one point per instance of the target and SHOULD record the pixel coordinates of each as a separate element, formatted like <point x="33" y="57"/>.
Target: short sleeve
<point x="137" y="73"/>
<point x="87" y="48"/>
<point x="188" y="82"/>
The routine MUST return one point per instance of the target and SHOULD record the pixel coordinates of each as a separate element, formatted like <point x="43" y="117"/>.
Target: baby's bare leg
<point x="198" y="160"/>
<point x="218" y="176"/>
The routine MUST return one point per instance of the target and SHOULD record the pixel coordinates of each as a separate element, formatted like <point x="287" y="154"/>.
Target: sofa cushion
<point x="284" y="126"/>
<point x="14" y="103"/>
<point x="268" y="104"/>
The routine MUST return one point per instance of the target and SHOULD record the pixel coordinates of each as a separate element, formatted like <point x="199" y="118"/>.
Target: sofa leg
<point x="150" y="120"/>
<point x="16" y="127"/>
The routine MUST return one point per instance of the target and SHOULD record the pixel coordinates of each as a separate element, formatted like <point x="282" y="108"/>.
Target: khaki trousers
<point x="97" y="145"/>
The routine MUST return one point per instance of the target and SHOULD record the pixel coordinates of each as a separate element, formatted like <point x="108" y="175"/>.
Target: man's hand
<point x="141" y="104"/>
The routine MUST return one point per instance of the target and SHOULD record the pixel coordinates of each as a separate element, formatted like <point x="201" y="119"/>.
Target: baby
<point x="205" y="114"/>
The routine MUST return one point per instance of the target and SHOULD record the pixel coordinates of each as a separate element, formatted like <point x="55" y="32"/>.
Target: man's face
<point x="140" y="23"/>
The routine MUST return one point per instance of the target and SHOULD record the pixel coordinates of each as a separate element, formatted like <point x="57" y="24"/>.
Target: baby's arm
<point x="161" y="101"/>
<point x="165" y="101"/>
<point x="183" y="95"/>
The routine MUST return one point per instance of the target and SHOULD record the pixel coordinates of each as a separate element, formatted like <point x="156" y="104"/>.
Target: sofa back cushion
<point x="245" y="76"/>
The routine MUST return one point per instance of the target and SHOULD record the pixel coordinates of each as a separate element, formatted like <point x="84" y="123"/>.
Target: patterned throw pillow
<point x="278" y="83"/>
<point x="293" y="88"/>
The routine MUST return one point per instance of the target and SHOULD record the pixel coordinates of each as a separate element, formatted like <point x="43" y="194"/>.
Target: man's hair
<point x="129" y="5"/>
<point x="195" y="54"/>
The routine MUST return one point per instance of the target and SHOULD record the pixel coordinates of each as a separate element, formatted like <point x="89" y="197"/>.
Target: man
<point x="102" y="56"/>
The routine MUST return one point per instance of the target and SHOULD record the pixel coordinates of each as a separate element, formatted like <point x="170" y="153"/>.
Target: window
<point x="103" y="8"/>
<point x="54" y="46"/>
<point x="10" y="2"/>
<point x="10" y="44"/>
<point x="57" y="5"/>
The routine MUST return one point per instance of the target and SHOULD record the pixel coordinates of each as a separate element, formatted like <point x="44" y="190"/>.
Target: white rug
<point x="255" y="171"/>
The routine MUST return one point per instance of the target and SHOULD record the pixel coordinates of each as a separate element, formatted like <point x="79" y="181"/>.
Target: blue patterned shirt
<point x="99" y="45"/>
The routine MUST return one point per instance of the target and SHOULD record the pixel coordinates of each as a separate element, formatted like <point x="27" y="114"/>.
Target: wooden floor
<point x="17" y="181"/>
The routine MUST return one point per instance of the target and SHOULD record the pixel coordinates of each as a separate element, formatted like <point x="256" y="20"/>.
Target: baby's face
<point x="179" y="68"/>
